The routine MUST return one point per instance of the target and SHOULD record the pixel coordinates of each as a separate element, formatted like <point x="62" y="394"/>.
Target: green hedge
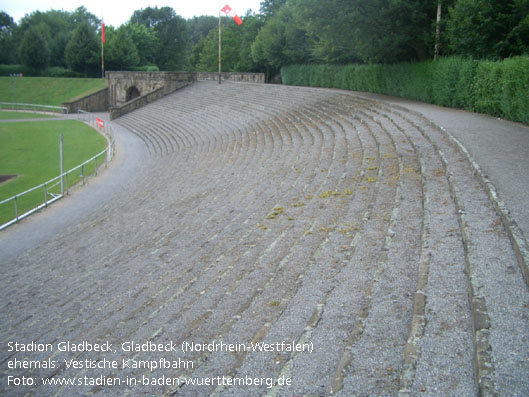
<point x="146" y="68"/>
<point x="6" y="70"/>
<point x="55" y="71"/>
<point x="499" y="88"/>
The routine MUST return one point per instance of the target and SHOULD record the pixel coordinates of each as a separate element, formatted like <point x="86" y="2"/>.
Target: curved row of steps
<point x="270" y="214"/>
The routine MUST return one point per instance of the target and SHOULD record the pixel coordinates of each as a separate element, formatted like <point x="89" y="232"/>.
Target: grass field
<point x="5" y="115"/>
<point x="46" y="90"/>
<point x="30" y="150"/>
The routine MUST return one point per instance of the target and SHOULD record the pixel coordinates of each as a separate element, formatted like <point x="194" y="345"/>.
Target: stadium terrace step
<point x="266" y="214"/>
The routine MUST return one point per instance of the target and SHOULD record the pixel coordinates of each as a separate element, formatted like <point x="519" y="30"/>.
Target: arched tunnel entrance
<point x="132" y="93"/>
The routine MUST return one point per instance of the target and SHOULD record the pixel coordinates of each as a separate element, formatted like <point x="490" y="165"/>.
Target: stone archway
<point x="132" y="93"/>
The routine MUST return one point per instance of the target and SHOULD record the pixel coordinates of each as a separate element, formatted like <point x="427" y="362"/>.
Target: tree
<point x="82" y="50"/>
<point x="518" y="37"/>
<point x="209" y="54"/>
<point x="174" y="48"/>
<point x="81" y="15"/>
<point x="55" y="27"/>
<point x="199" y="27"/>
<point x="34" y="51"/>
<point x="330" y="28"/>
<point x="146" y="41"/>
<point x="7" y="42"/>
<point x="172" y="33"/>
<point x="371" y="31"/>
<point x="236" y="46"/>
<point x="283" y="39"/>
<point x="248" y="32"/>
<point x="489" y="28"/>
<point x="194" y="58"/>
<point x="6" y="21"/>
<point x="121" y="52"/>
<point x="152" y="17"/>
<point x="270" y="7"/>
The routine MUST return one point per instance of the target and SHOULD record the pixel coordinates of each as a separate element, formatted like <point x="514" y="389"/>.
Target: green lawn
<point x="30" y="150"/>
<point x="46" y="90"/>
<point x="5" y="115"/>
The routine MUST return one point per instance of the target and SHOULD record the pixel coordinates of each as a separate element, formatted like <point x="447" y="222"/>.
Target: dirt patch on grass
<point x="4" y="178"/>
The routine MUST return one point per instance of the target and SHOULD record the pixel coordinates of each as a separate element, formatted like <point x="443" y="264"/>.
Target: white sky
<point x="117" y="12"/>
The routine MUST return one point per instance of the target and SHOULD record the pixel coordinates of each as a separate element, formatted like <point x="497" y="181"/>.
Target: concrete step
<point x="270" y="214"/>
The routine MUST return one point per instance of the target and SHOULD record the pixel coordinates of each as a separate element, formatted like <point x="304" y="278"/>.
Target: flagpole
<point x="103" y="50"/>
<point x="219" y="47"/>
<point x="228" y="11"/>
<point x="102" y="60"/>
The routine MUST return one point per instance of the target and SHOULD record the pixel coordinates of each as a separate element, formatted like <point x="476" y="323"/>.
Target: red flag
<point x="228" y="11"/>
<point x="103" y="32"/>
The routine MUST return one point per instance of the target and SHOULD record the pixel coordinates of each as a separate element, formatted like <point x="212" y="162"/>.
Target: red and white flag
<point x="228" y="11"/>
<point x="103" y="32"/>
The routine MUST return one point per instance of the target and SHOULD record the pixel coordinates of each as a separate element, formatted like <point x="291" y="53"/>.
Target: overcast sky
<point x="117" y="12"/>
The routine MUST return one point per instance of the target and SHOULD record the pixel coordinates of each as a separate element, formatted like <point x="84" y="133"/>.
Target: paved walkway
<point x="301" y="241"/>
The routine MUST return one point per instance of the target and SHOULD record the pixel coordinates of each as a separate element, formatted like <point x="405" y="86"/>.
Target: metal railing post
<point x="16" y="208"/>
<point x="62" y="164"/>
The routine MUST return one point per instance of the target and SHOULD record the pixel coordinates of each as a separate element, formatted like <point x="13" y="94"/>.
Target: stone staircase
<point x="271" y="213"/>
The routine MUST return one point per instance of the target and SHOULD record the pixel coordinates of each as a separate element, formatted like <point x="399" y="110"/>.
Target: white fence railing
<point x="33" y="106"/>
<point x="28" y="202"/>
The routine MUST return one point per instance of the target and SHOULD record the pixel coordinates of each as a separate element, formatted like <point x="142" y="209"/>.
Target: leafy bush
<point x="57" y="71"/>
<point x="487" y="84"/>
<point x="497" y="88"/>
<point x="33" y="50"/>
<point x="514" y="100"/>
<point x="7" y="70"/>
<point x="146" y="68"/>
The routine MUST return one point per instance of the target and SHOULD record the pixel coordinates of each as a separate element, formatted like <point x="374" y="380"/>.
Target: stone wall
<point x="118" y="111"/>
<point x="119" y="83"/>
<point x="96" y="102"/>
<point x="124" y="85"/>
<point x="232" y="76"/>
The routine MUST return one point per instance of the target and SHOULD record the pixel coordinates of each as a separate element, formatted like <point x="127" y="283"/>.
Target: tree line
<point x="282" y="32"/>
<point x="55" y="39"/>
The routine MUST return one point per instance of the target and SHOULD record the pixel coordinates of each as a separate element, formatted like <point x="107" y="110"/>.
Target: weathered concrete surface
<point x="253" y="213"/>
<point x="120" y="83"/>
<point x="500" y="147"/>
<point x="232" y="76"/>
<point x="118" y="111"/>
<point x="96" y="102"/>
